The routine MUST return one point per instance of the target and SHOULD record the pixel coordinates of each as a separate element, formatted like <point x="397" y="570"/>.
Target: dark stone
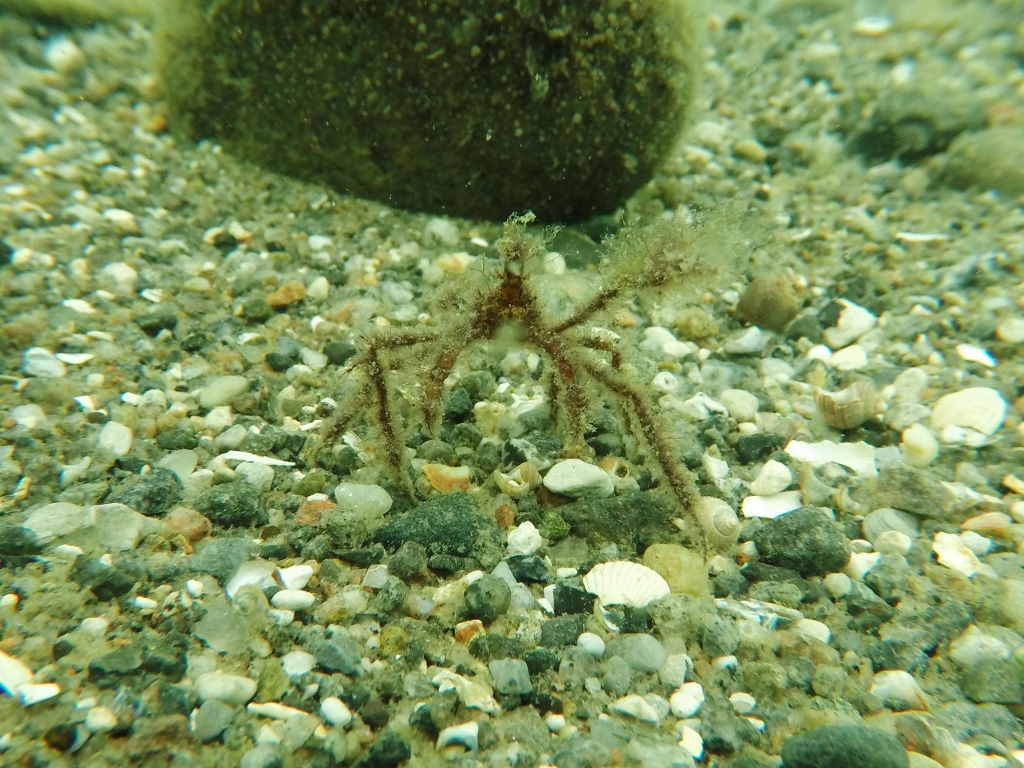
<point x="61" y="736"/>
<point x="889" y="578"/>
<point x="161" y="657"/>
<point x="757" y="447"/>
<point x="338" y="352"/>
<point x="374" y="713"/>
<point x="459" y="406"/>
<point x="992" y="681"/>
<point x="163" y="698"/>
<point x="569" y="599"/>
<point x="61" y="647"/>
<point x="805" y="540"/>
<point x="909" y="489"/>
<point x="450" y="563"/>
<point x="363" y="556"/>
<point x="561" y="630"/>
<point x="528" y="569"/>
<point x="866" y="609"/>
<point x="17" y="542"/>
<point x="546" y="702"/>
<point x="487" y="647"/>
<point x="540" y="660"/>
<point x="256" y="309"/>
<point x="844" y="746"/>
<point x="110" y="669"/>
<point x="338" y="654"/>
<point x="447" y="524"/>
<point x="154" y="322"/>
<point x="221" y="557"/>
<point x="436" y="451"/>
<point x="756" y="571"/>
<point x="176" y="439"/>
<point x="581" y="751"/>
<point x="153" y="494"/>
<point x="630" y="520"/>
<point x="104" y="581"/>
<point x="576" y="667"/>
<point x="389" y="596"/>
<point x="486" y="599"/>
<point x="389" y="751"/>
<point x="436" y="714"/>
<point x="410" y="559"/>
<point x="235" y="503"/>
<point x="211" y="720"/>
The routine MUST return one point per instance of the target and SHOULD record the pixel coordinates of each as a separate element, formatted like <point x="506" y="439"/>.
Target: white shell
<point x="899" y="691"/>
<point x="719" y="521"/>
<point x="621" y="582"/>
<point x="466" y="734"/>
<point x="14" y="673"/>
<point x="33" y="693"/>
<point x="979" y="408"/>
<point x="951" y="552"/>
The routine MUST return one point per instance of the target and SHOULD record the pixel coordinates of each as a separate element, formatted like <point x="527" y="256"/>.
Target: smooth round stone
<point x="298" y="663"/>
<point x="642" y="652"/>
<point x="578" y="480"/>
<point x="773" y="478"/>
<point x="838" y="584"/>
<point x="293" y="600"/>
<point x="844" y="746"/>
<point x="295" y="576"/>
<point x="592" y="644"/>
<point x="258" y="475"/>
<point x="231" y="689"/>
<point x="675" y="669"/>
<point x="41" y="363"/>
<point x="63" y="55"/>
<point x="335" y="712"/>
<point x="919" y="446"/>
<point x="742" y="405"/>
<point x="115" y="437"/>
<point x="222" y="391"/>
<point x="100" y="720"/>
<point x="687" y="700"/>
<point x="640" y="708"/>
<point x="888" y="519"/>
<point x="364" y="499"/>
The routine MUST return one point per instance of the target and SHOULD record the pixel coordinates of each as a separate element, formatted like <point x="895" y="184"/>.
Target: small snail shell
<point x="719" y="521"/>
<point x="850" y="407"/>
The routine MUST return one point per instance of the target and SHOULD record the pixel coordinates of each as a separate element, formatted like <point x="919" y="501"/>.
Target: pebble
<point x="578" y="480"/>
<point x="899" y="691"/>
<point x="740" y="404"/>
<point x="230" y="689"/>
<point x="334" y="711"/>
<point x="369" y="500"/>
<point x="63" y="55"/>
<point x="844" y="746"/>
<point x="806" y="540"/>
<point x="39" y="362"/>
<point x="298" y="663"/>
<point x="466" y="734"/>
<point x="1011" y="330"/>
<point x="743" y="703"/>
<point x="675" y="669"/>
<point x="291" y="292"/>
<point x="887" y="519"/>
<point x="640" y="708"/>
<point x="687" y="700"/>
<point x="259" y="476"/>
<point x="115" y="437"/>
<point x="852" y="323"/>
<point x="511" y="677"/>
<point x="774" y="477"/>
<point x="592" y="644"/>
<point x="36" y="693"/>
<point x="14" y="673"/>
<point x="642" y="652"/>
<point x="221" y="391"/>
<point x="211" y="718"/>
<point x="951" y="552"/>
<point x="749" y="342"/>
<point x="524" y="540"/>
<point x="771" y="507"/>
<point x="293" y="600"/>
<point x="100" y="720"/>
<point x="974" y="645"/>
<point x="811" y="629"/>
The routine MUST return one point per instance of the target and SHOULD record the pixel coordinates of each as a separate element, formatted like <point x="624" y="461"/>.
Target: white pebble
<point x="691" y="741"/>
<point x="555" y="723"/>
<point x="591" y="643"/>
<point x="770" y="507"/>
<point x="873" y="26"/>
<point x="281" y="617"/>
<point x="811" y="629"/>
<point x="919" y="446"/>
<point x="974" y="541"/>
<point x="115" y="437"/>
<point x="972" y="353"/>
<point x="838" y="584"/>
<point x="1011" y="330"/>
<point x="41" y="363"/>
<point x="524" y="539"/>
<point x="578" y="480"/>
<point x="893" y="543"/>
<point x="853" y="322"/>
<point x="298" y="663"/>
<point x="94" y="626"/>
<point x="687" y="700"/>
<point x="974" y="646"/>
<point x="119" y="276"/>
<point x="899" y="691"/>
<point x="230" y="689"/>
<point x="123" y="221"/>
<point x="144" y="603"/>
<point x="274" y="710"/>
<point x="773" y="478"/>
<point x="34" y="693"/>
<point x="743" y="703"/>
<point x="749" y="342"/>
<point x="63" y="55"/>
<point x="466" y="734"/>
<point x="194" y="588"/>
<point x="14" y="673"/>
<point x="293" y="600"/>
<point x="860" y="563"/>
<point x="100" y="720"/>
<point x="951" y="552"/>
<point x="376" y="576"/>
<point x="742" y="405"/>
<point x="334" y="711"/>
<point x="295" y="576"/>
<point x="319" y="288"/>
<point x="637" y="707"/>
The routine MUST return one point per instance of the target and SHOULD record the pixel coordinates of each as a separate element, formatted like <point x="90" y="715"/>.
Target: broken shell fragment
<point x="850" y="407"/>
<point x="621" y="582"/>
<point x="519" y="482"/>
<point x="982" y="409"/>
<point x="719" y="522"/>
<point x="995" y="523"/>
<point x="444" y="478"/>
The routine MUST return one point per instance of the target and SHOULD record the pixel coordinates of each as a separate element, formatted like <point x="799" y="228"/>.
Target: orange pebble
<point x="504" y="516"/>
<point x="289" y="293"/>
<point x="309" y="511"/>
<point x="466" y="630"/>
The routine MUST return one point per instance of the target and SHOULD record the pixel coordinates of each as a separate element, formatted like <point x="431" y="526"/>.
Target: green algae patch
<point x="473" y="109"/>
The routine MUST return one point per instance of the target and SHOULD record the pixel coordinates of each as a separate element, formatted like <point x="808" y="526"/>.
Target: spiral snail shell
<point x="719" y="521"/>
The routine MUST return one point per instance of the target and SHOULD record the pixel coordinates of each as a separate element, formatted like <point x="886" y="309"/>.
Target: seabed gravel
<point x="179" y="588"/>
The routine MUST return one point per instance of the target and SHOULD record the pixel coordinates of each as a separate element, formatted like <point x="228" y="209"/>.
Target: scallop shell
<point x="444" y="478"/>
<point x="850" y="407"/>
<point x="719" y="521"/>
<point x="997" y="523"/>
<point x="621" y="582"/>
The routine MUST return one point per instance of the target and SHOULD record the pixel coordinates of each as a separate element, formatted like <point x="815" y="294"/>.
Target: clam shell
<point x="719" y="521"/>
<point x="621" y="582"/>
<point x="997" y="523"/>
<point x="850" y="407"/>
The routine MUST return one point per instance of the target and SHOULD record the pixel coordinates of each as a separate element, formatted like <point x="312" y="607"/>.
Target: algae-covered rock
<point x="477" y="108"/>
